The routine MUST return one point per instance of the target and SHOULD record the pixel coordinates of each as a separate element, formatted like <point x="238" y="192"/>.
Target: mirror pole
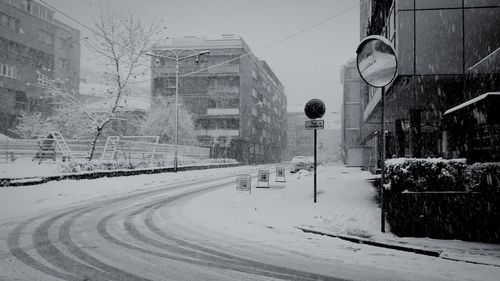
<point x="382" y="161"/>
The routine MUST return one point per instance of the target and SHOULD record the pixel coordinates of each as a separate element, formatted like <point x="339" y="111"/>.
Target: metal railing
<point x="127" y="149"/>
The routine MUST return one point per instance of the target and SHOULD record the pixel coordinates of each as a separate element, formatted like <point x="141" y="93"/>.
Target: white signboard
<point x="244" y="182"/>
<point x="280" y="174"/>
<point x="263" y="176"/>
<point x="315" y="124"/>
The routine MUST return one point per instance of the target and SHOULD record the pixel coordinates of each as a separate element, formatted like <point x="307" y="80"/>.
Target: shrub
<point x="96" y="165"/>
<point x="431" y="174"/>
<point x="89" y="166"/>
<point x="483" y="177"/>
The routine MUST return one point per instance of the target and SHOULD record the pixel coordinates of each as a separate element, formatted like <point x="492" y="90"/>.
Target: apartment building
<point x="38" y="52"/>
<point x="238" y="103"/>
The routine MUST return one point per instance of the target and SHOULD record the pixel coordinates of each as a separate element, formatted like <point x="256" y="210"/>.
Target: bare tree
<point x="120" y="43"/>
<point x="160" y="121"/>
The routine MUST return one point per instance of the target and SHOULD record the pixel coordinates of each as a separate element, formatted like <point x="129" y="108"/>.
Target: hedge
<point x="445" y="199"/>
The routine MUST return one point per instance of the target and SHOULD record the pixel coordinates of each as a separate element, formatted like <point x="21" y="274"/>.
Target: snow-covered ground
<point x="24" y="167"/>
<point x="270" y="216"/>
<point x="345" y="206"/>
<point x="23" y="201"/>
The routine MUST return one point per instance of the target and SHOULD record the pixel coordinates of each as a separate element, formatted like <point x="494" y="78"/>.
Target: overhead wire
<point x="230" y="60"/>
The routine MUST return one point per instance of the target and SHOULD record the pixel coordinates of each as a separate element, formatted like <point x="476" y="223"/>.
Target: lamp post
<point x="377" y="66"/>
<point x="177" y="56"/>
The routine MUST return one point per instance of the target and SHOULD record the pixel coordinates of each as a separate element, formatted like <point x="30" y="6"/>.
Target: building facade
<point x="38" y="53"/>
<point x="356" y="152"/>
<point x="300" y="142"/>
<point x="447" y="54"/>
<point x="238" y="103"/>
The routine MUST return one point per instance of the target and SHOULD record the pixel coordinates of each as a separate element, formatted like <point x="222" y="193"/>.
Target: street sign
<point x="263" y="176"/>
<point x="280" y="174"/>
<point x="315" y="124"/>
<point x="244" y="183"/>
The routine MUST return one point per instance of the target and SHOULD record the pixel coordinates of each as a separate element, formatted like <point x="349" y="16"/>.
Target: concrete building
<point x="38" y="52"/>
<point x="239" y="104"/>
<point x="355" y="151"/>
<point x="447" y="52"/>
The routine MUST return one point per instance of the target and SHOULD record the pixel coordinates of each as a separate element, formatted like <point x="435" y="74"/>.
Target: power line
<point x="71" y="18"/>
<point x="233" y="59"/>
<point x="280" y="40"/>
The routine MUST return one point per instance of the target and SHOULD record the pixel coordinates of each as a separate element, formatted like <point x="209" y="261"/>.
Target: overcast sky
<point x="308" y="64"/>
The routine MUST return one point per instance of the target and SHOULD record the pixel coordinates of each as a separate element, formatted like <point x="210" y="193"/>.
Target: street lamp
<point x="377" y="66"/>
<point x="177" y="56"/>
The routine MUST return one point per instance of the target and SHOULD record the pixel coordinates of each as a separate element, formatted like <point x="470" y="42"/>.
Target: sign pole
<point x="315" y="137"/>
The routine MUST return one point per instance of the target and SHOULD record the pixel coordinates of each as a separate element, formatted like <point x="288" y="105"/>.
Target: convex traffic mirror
<point x="314" y="109"/>
<point x="376" y="61"/>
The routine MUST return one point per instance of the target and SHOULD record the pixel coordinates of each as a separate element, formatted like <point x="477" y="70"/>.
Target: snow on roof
<point x="472" y="101"/>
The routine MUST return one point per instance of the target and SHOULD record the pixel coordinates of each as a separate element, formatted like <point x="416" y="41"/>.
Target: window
<point x="9" y="22"/>
<point x="223" y="102"/>
<point x="35" y="9"/>
<point x="254" y="111"/>
<point x="254" y="92"/>
<point x="21" y="100"/>
<point x="45" y="37"/>
<point x="8" y="70"/>
<point x="42" y="79"/>
<point x="438" y="42"/>
<point x="60" y="85"/>
<point x="254" y="74"/>
<point x="63" y="63"/>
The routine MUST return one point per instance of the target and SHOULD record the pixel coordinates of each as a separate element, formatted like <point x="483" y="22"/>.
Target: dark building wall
<point x="442" y="37"/>
<point x="437" y="43"/>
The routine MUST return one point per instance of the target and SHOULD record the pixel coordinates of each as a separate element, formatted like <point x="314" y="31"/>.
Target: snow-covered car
<point x="301" y="163"/>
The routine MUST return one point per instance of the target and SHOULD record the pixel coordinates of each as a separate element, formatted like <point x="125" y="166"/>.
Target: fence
<point x="131" y="149"/>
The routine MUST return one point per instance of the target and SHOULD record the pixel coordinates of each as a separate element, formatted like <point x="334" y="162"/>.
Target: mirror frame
<point x="362" y="45"/>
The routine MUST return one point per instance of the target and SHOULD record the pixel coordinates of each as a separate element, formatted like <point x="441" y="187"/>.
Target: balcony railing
<point x="224" y="89"/>
<point x="223" y="111"/>
<point x="218" y="132"/>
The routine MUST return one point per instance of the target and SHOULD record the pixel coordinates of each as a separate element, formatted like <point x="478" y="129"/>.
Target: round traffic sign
<point x="315" y="108"/>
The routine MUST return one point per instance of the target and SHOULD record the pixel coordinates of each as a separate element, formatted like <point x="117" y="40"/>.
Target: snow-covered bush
<point x="89" y="166"/>
<point x="483" y="177"/>
<point x="431" y="174"/>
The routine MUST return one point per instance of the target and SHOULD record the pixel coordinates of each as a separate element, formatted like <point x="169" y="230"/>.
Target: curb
<point x="4" y="182"/>
<point x="392" y="246"/>
<point x="374" y="243"/>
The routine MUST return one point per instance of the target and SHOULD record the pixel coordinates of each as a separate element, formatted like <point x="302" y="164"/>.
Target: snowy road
<point x="153" y="234"/>
<point x="133" y="238"/>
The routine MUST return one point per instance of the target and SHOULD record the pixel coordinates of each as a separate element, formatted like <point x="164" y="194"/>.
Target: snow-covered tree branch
<point x="160" y="121"/>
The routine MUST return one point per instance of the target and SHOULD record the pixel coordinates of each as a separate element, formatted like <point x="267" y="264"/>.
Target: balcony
<point x="223" y="89"/>
<point x="218" y="133"/>
<point x="223" y="111"/>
